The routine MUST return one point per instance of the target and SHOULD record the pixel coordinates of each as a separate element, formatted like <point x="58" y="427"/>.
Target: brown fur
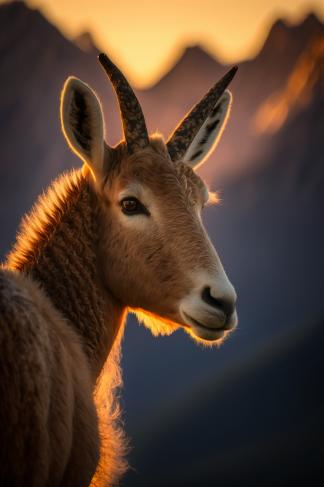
<point x="56" y="271"/>
<point x="55" y="338"/>
<point x="78" y="266"/>
<point x="178" y="194"/>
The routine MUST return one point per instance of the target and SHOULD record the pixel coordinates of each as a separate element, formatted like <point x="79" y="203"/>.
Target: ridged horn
<point x="134" y="125"/>
<point x="185" y="132"/>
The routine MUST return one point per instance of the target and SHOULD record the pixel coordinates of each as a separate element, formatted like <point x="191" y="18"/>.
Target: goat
<point x="123" y="233"/>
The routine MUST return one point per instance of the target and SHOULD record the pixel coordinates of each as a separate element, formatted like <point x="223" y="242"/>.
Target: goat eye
<point x="131" y="206"/>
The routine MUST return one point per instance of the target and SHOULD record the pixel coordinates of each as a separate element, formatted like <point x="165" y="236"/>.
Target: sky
<point x="146" y="36"/>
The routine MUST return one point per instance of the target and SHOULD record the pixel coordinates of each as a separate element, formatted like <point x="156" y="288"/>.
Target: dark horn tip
<point x="103" y="58"/>
<point x="105" y="61"/>
<point x="231" y="73"/>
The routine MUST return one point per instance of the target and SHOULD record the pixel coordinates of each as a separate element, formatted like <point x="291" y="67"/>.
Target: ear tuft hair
<point x="82" y="123"/>
<point x="210" y="132"/>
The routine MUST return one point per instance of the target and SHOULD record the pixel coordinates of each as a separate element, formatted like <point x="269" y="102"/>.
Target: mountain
<point x="257" y="79"/>
<point x="85" y="42"/>
<point x="259" y="423"/>
<point x="35" y="61"/>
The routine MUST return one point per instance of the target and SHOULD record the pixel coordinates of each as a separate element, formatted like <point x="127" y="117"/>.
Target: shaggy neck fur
<point x="58" y="248"/>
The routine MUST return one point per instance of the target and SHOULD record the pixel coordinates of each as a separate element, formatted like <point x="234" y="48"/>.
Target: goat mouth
<point x="219" y="332"/>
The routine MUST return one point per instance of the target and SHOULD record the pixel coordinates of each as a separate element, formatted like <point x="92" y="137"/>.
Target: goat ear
<point x="83" y="124"/>
<point x="210" y="132"/>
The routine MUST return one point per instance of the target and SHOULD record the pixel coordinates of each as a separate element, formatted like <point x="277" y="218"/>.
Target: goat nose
<point x="226" y="305"/>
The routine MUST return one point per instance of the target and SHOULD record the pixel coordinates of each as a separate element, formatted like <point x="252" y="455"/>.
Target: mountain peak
<point x="17" y="9"/>
<point x="194" y="55"/>
<point x="193" y="60"/>
<point x="311" y="21"/>
<point x="15" y="5"/>
<point x="283" y="33"/>
<point x="195" y="50"/>
<point x="17" y="19"/>
<point x="86" y="43"/>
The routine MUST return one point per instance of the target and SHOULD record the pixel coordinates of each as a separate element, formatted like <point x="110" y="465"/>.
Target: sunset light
<point x="161" y="248"/>
<point x="146" y="36"/>
<point x="297" y="92"/>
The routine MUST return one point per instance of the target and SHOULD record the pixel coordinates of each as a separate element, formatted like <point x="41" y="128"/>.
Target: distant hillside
<point x="259" y="424"/>
<point x="256" y="80"/>
<point x="35" y="61"/>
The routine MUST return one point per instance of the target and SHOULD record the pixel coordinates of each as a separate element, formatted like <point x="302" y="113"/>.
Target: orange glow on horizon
<point x="273" y="112"/>
<point x="146" y="37"/>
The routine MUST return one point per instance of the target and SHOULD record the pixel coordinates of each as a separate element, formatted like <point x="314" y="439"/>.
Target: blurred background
<point x="251" y="412"/>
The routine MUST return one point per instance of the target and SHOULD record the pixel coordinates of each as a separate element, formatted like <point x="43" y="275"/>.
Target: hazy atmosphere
<point x="251" y="411"/>
<point x="146" y="36"/>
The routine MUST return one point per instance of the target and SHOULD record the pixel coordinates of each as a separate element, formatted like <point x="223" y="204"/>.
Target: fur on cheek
<point x="156" y="324"/>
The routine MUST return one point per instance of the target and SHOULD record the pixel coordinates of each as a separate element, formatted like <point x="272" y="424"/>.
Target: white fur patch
<point x="210" y="132"/>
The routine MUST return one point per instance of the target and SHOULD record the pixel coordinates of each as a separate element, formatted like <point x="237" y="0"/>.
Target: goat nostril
<point x="220" y="303"/>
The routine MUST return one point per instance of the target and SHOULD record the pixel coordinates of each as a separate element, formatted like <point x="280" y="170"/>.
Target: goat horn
<point x="134" y="125"/>
<point x="185" y="132"/>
